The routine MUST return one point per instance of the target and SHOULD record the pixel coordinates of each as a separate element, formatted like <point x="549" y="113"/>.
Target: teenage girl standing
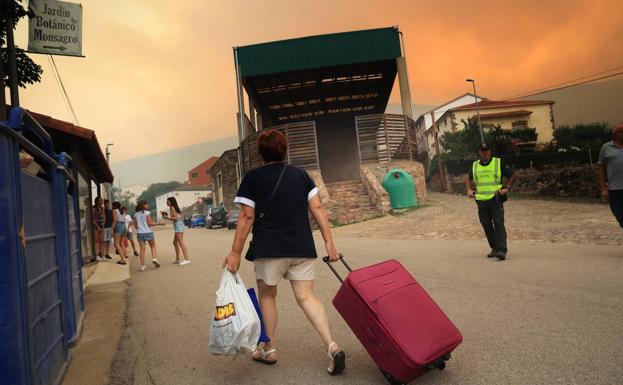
<point x="120" y="231"/>
<point x="178" y="226"/>
<point x="144" y="233"/>
<point x="129" y="224"/>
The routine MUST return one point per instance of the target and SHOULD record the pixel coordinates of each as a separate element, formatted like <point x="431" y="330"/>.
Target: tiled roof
<point x="486" y="104"/>
<point x="205" y="165"/>
<point x="83" y="140"/>
<point x="507" y="114"/>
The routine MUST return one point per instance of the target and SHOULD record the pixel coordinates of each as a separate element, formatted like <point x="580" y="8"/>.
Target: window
<point x="486" y="127"/>
<point x="520" y="124"/>
<point x="219" y="179"/>
<point x="194" y="175"/>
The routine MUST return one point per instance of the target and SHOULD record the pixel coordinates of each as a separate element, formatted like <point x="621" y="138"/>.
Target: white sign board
<point x="56" y="28"/>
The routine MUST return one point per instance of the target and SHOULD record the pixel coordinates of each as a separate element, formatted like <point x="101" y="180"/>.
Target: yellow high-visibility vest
<point x="488" y="179"/>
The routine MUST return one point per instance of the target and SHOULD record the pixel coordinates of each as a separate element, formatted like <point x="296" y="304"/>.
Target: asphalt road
<point x="550" y="314"/>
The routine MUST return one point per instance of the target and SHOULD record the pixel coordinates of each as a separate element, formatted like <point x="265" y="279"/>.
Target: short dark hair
<point x="272" y="146"/>
<point x="116" y="205"/>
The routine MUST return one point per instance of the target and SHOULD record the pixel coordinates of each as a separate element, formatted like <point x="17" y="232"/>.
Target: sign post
<point x="56" y="28"/>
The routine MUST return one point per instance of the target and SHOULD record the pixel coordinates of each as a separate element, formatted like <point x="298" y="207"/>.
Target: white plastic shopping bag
<point x="235" y="325"/>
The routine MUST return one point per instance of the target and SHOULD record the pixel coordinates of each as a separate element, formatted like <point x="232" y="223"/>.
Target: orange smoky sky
<point x="159" y="75"/>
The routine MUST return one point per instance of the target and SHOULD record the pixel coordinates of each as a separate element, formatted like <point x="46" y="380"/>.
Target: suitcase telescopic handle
<point x="328" y="262"/>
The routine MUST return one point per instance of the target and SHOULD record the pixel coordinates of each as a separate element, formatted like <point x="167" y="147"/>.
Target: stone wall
<point x="226" y="166"/>
<point x="372" y="175"/>
<point x="578" y="181"/>
<point x="375" y="190"/>
<point x="570" y="181"/>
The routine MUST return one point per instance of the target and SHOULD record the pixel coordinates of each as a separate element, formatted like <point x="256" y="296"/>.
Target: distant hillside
<point x="168" y="166"/>
<point x="418" y="109"/>
<point x="173" y="165"/>
<point x="586" y="103"/>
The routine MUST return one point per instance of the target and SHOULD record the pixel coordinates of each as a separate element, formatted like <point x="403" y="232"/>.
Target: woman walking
<point x="175" y="216"/>
<point x="120" y="232"/>
<point x="129" y="224"/>
<point x="145" y="234"/>
<point x="275" y="200"/>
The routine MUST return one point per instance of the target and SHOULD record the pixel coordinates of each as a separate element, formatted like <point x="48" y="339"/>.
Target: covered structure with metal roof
<point x="328" y="93"/>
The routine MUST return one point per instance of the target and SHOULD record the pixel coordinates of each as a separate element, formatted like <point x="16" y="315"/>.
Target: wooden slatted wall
<point x="384" y="137"/>
<point x="302" y="146"/>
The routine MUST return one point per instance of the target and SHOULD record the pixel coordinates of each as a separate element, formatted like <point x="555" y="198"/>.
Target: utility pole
<point x="482" y="137"/>
<point x="10" y="44"/>
<point x="108" y="185"/>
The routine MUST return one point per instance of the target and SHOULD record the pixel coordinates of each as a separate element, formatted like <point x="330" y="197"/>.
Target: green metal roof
<point x="319" y="51"/>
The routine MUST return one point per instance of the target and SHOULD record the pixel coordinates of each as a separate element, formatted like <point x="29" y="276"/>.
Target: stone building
<point x="225" y="175"/>
<point x="328" y="95"/>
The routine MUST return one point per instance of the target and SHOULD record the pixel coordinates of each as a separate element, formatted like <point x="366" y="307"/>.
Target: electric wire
<point x="566" y="84"/>
<point x="64" y="91"/>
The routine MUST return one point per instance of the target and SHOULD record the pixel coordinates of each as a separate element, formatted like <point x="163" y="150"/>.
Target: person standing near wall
<point x="120" y="232"/>
<point x="108" y="219"/>
<point x="97" y="215"/>
<point x="490" y="194"/>
<point x="611" y="172"/>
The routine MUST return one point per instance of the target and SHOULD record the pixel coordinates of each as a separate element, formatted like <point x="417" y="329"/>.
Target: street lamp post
<point x="109" y="186"/>
<point x="482" y="137"/>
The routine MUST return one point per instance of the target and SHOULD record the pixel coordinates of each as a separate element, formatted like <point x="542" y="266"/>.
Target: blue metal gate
<point x="40" y="275"/>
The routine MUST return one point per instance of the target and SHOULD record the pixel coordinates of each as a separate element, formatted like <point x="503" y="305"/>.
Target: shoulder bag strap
<point x="283" y="170"/>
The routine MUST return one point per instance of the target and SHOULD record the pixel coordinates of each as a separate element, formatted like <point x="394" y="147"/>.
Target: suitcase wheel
<point x="391" y="379"/>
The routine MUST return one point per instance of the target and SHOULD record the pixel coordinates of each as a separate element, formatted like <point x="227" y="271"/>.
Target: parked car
<point x="217" y="216"/>
<point x="232" y="219"/>
<point x="197" y="220"/>
<point x="186" y="220"/>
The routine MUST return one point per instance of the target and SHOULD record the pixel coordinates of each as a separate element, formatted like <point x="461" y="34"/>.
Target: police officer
<point x="490" y="194"/>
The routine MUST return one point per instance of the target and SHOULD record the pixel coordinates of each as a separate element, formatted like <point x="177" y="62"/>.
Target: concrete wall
<point x="541" y="119"/>
<point x="184" y="199"/>
<point x="337" y="149"/>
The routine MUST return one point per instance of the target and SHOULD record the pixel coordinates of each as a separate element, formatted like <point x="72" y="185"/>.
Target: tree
<point x="157" y="189"/>
<point x="462" y="144"/>
<point x="582" y="137"/>
<point x="126" y="198"/>
<point x="28" y="72"/>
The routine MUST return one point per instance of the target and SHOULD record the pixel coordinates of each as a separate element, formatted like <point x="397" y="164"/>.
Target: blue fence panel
<point x="41" y="299"/>
<point x="48" y="349"/>
<point x="14" y="355"/>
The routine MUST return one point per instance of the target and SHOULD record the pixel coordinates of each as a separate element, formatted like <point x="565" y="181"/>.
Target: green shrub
<point x="582" y="136"/>
<point x="461" y="145"/>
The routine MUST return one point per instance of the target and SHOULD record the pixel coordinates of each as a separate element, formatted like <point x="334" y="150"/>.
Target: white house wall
<point x="184" y="199"/>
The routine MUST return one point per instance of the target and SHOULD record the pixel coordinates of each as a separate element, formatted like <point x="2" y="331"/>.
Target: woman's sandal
<point x="338" y="360"/>
<point x="122" y="263"/>
<point x="263" y="354"/>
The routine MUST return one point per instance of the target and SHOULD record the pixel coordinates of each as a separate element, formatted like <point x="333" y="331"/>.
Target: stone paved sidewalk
<point x="446" y="216"/>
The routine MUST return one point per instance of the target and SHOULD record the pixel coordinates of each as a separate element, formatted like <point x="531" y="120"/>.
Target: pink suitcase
<point x="398" y="323"/>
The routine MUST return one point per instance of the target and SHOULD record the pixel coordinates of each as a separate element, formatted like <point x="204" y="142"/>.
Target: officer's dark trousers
<point x="616" y="205"/>
<point x="491" y="214"/>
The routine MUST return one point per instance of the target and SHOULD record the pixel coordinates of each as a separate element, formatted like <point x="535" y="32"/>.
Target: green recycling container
<point x="401" y="188"/>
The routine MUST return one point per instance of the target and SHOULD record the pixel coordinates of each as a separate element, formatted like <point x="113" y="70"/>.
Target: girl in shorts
<point x="120" y="231"/>
<point x="178" y="226"/>
<point x="129" y="225"/>
<point x="144" y="233"/>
